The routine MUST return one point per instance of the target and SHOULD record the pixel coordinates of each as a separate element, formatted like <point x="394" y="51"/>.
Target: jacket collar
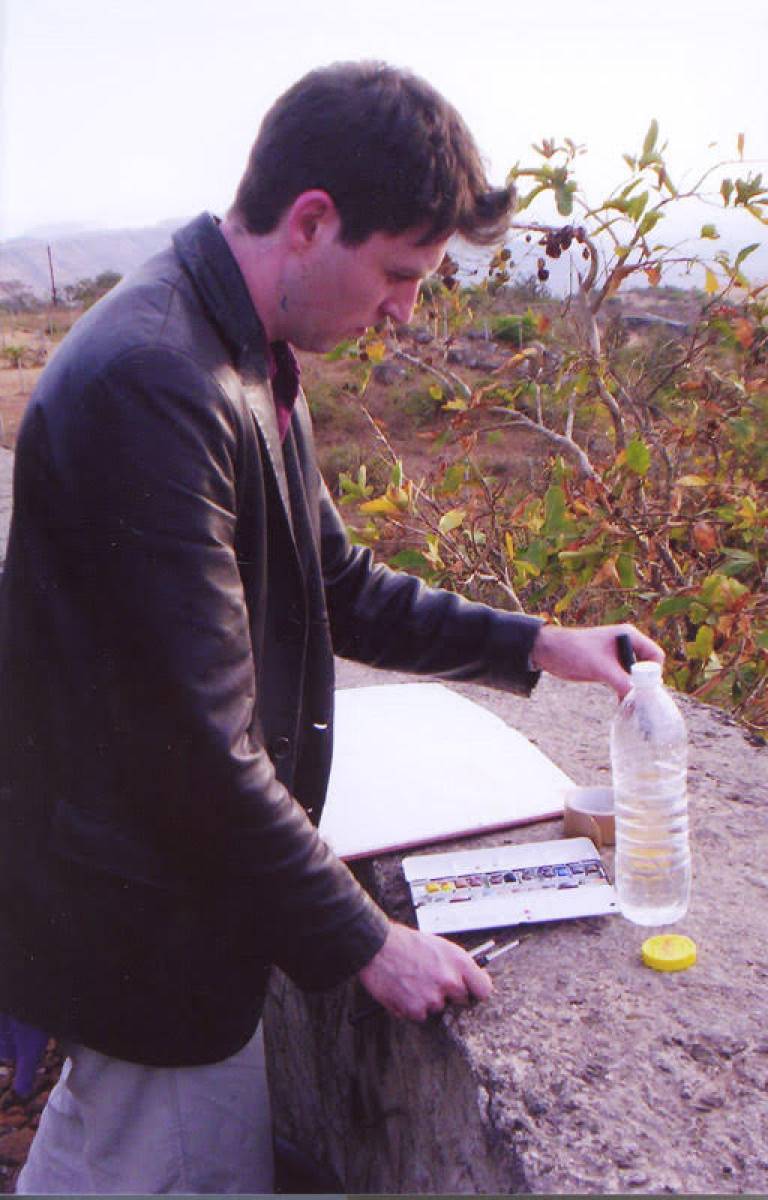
<point x="208" y="260"/>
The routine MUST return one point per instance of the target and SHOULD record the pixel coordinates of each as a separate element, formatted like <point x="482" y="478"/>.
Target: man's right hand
<point x="416" y="974"/>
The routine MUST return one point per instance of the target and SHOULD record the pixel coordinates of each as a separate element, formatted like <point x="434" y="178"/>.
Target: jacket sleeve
<point x="393" y="620"/>
<point x="144" y="502"/>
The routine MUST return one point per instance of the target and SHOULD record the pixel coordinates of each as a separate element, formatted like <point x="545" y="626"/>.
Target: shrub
<point x="514" y="330"/>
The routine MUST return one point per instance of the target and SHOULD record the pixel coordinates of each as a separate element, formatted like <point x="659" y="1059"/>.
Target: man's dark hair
<point x="389" y="150"/>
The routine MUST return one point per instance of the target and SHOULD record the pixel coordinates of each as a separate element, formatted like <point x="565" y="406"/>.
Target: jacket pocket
<point x="95" y="842"/>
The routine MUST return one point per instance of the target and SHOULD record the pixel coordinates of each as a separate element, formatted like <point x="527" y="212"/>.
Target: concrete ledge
<point x="585" y="1072"/>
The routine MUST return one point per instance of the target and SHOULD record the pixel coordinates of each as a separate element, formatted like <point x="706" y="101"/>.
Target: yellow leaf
<point x="711" y="285"/>
<point x="399" y="496"/>
<point x="436" y="392"/>
<point x="691" y="481"/>
<point x="451" y="520"/>
<point x="376" y="351"/>
<point x="509" y="545"/>
<point x="381" y="505"/>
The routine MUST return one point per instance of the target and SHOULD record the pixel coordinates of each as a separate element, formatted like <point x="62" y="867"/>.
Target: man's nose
<point x="400" y="304"/>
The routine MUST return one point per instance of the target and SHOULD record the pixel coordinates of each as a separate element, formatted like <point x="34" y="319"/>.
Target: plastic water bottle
<point x="649" y="760"/>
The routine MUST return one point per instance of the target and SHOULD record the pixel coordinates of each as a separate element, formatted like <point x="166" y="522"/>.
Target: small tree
<point x="654" y="451"/>
<point x="15" y="297"/>
<point x="87" y="291"/>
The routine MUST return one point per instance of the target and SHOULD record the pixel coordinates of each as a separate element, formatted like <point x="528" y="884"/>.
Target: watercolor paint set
<point x="496" y="886"/>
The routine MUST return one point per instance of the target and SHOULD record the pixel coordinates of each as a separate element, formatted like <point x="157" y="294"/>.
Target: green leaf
<point x="709" y="231"/>
<point x="649" y="145"/>
<point x="555" y="518"/>
<point x="396" y="478"/>
<point x="720" y="592"/>
<point x="704" y="644"/>
<point x="625" y="191"/>
<point x="649" y="222"/>
<point x="536" y="553"/>
<point x="636" y="206"/>
<point x="409" y="560"/>
<point x="745" y="253"/>
<point x="671" y="606"/>
<point x="564" y="199"/>
<point x="524" y="570"/>
<point x="738" y="561"/>
<point x="343" y="350"/>
<point x="564" y="603"/>
<point x="452" y="480"/>
<point x="574" y="560"/>
<point x="638" y="456"/>
<point x="451" y="520"/>
<point x="622" y="612"/>
<point x="583" y="381"/>
<point x="625" y="567"/>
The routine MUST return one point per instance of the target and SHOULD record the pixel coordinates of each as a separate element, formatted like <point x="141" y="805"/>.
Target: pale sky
<point x="125" y="112"/>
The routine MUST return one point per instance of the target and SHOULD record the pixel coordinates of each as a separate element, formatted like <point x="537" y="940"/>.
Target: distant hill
<point x="81" y="255"/>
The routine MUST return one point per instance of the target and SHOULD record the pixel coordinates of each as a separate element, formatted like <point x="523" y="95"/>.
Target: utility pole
<point x="54" y="298"/>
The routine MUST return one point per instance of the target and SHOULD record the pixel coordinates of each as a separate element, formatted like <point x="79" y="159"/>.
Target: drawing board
<point x="417" y="763"/>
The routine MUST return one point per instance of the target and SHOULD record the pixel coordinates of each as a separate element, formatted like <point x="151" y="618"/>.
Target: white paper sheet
<point x="416" y="763"/>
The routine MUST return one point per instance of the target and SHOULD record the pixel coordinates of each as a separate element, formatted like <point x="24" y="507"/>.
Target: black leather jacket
<point x="176" y="585"/>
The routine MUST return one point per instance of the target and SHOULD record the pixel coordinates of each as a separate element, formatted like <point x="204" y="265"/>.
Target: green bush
<point x="514" y="329"/>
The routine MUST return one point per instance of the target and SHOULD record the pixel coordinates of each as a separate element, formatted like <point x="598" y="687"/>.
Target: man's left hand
<point x="590" y="654"/>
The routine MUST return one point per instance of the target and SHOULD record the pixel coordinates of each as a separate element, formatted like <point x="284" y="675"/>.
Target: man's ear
<point x="312" y="217"/>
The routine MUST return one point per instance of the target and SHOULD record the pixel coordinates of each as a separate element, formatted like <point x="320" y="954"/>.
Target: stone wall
<point x="585" y="1072"/>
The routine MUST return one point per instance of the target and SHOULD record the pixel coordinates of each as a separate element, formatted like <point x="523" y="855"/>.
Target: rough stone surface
<point x="585" y="1072"/>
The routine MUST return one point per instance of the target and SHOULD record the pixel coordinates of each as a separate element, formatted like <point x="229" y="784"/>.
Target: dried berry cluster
<point x="555" y="241"/>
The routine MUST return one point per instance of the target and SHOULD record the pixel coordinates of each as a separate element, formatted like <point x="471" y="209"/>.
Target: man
<point x="177" y="583"/>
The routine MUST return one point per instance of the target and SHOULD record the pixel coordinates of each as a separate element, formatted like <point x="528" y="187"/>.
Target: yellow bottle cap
<point x="669" y="952"/>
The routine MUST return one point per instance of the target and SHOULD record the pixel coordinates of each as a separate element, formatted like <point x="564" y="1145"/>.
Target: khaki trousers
<point x="113" y="1127"/>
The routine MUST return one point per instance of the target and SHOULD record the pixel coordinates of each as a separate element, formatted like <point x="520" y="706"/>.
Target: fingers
<point x="589" y="654"/>
<point x="416" y="974"/>
<point x="644" y="647"/>
<point x="646" y="650"/>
